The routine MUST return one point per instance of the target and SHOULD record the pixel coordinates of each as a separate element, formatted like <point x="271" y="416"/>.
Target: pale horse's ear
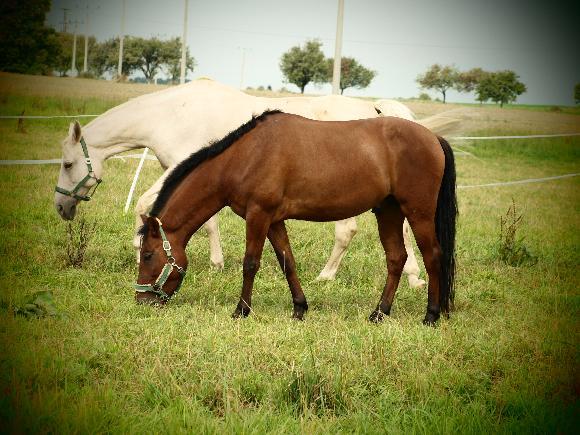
<point x="74" y="131"/>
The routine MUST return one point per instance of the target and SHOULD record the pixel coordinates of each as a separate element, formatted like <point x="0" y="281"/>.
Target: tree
<point x="352" y="74"/>
<point x="440" y="78"/>
<point x="467" y="80"/>
<point x="26" y="44"/>
<point x="172" y="56"/>
<point x="500" y="87"/>
<point x="104" y="56"/>
<point x="302" y="65"/>
<point x="145" y="55"/>
<point x="577" y="93"/>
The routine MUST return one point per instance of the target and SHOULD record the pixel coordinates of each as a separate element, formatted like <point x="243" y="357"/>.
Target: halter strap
<point x="157" y="286"/>
<point x="91" y="175"/>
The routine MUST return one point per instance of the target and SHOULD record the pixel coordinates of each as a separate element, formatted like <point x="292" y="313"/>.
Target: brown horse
<point x="280" y="166"/>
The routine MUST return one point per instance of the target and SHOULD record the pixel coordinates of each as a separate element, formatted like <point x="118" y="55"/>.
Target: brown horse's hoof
<point x="431" y="319"/>
<point x="300" y="309"/>
<point x="298" y="315"/>
<point x="241" y="312"/>
<point x="377" y="316"/>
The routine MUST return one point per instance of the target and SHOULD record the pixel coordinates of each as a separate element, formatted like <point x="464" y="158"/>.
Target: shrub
<point x="424" y="96"/>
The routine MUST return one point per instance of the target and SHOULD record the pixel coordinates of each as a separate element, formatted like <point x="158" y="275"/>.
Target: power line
<point x="64" y="19"/>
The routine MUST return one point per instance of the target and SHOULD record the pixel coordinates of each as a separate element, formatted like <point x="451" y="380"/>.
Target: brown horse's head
<point x="162" y="266"/>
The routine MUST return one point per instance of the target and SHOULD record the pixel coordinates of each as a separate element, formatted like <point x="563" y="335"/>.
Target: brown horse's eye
<point x="67" y="165"/>
<point x="147" y="256"/>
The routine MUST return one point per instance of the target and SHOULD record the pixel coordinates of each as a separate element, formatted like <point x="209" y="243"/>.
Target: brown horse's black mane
<point x="193" y="161"/>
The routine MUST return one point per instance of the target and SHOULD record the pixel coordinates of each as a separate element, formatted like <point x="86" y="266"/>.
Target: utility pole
<point x="337" y="49"/>
<point x="184" y="46"/>
<point x="86" y="41"/>
<point x="74" y="71"/>
<point x="121" y="38"/>
<point x="243" y="66"/>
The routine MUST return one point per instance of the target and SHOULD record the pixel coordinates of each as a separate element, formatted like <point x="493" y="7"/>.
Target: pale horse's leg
<point x="144" y="205"/>
<point x="345" y="230"/>
<point x="411" y="267"/>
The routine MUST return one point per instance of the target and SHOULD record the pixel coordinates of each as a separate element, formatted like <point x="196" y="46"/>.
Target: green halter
<point x="157" y="287"/>
<point x="81" y="184"/>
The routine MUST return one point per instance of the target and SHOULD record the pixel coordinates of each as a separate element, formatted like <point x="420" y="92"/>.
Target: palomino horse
<point x="279" y="166"/>
<point x="180" y="120"/>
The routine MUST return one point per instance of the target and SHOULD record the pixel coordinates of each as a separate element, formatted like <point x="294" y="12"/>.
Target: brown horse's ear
<point x="153" y="226"/>
<point x="144" y="219"/>
<point x="74" y="131"/>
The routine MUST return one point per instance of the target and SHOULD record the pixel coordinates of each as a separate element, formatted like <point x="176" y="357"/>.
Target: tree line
<point x="28" y="46"/>
<point x="149" y="56"/>
<point x="501" y="87"/>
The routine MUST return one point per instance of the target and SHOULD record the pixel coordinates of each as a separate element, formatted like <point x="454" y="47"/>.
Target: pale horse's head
<point x="80" y="173"/>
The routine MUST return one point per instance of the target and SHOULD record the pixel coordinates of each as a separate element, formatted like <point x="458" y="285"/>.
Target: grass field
<point x="506" y="361"/>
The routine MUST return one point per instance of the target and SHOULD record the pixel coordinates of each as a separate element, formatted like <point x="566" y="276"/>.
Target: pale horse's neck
<point x="108" y="135"/>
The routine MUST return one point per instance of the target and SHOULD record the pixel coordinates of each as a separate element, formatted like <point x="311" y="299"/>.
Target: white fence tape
<point x="45" y="117"/>
<point x="58" y="161"/>
<point x="532" y="136"/>
<point x="511" y="183"/>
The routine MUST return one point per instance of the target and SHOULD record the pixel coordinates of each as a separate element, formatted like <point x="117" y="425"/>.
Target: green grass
<point x="505" y="362"/>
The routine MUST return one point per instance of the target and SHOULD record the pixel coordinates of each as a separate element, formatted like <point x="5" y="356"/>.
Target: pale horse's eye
<point x="67" y="165"/>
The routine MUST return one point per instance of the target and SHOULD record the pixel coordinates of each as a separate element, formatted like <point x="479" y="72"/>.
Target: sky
<point x="539" y="40"/>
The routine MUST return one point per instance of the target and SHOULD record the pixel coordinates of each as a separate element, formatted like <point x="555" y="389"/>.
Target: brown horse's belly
<point x="334" y="207"/>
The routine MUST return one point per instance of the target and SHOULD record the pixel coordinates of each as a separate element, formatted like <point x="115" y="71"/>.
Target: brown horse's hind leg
<point x="257" y="224"/>
<point x="279" y="240"/>
<point x="390" y="220"/>
<point x="424" y="230"/>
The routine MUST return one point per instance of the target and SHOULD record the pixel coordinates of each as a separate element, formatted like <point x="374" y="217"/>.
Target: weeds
<point x="40" y="305"/>
<point x="20" y="127"/>
<point x="78" y="238"/>
<point x="512" y="250"/>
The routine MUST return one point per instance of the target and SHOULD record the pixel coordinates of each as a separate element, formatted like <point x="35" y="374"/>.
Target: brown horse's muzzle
<point x="149" y="299"/>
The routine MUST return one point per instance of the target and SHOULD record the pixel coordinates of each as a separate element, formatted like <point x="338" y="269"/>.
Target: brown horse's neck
<point x="193" y="202"/>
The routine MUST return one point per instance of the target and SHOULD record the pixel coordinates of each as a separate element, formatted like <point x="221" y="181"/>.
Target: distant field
<point x="506" y="361"/>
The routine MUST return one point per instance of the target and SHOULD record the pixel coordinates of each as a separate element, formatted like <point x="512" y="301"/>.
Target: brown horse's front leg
<point x="257" y="224"/>
<point x="279" y="239"/>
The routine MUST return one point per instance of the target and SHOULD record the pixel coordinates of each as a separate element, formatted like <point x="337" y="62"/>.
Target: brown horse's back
<point x="326" y="171"/>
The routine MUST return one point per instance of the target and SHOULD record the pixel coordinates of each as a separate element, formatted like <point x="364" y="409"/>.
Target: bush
<point x="424" y="96"/>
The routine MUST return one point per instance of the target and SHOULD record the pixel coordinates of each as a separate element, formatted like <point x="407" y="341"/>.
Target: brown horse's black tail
<point x="445" y="227"/>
